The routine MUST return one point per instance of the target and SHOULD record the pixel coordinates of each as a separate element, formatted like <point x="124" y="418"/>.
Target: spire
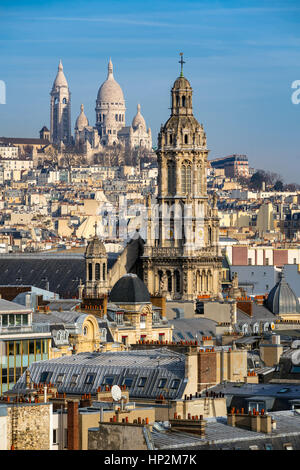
<point x="81" y="108"/>
<point x="181" y="61"/>
<point x="60" y="65"/>
<point x="110" y="69"/>
<point x="138" y="108"/>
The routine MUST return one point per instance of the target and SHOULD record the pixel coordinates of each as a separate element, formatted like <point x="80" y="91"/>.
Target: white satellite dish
<point x="116" y="393"/>
<point x="295" y="357"/>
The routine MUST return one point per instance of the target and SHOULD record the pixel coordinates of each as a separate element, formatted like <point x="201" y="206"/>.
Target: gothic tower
<point x="181" y="256"/>
<point x="96" y="282"/>
<point x="60" y="109"/>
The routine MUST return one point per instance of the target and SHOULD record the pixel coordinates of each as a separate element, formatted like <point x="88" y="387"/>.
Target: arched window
<point x="171" y="139"/>
<point x="90" y="272"/>
<point x="171" y="182"/>
<point x="183" y="101"/>
<point x="169" y="281"/>
<point x="120" y="117"/>
<point x="186" y="139"/>
<point x="64" y="100"/>
<point x="199" y="179"/>
<point x="186" y="177"/>
<point x="177" y="101"/>
<point x="177" y="281"/>
<point x="104" y="271"/>
<point x="116" y="116"/>
<point x="97" y="272"/>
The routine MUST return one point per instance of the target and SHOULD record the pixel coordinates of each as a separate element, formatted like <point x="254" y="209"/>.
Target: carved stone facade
<point x="182" y="255"/>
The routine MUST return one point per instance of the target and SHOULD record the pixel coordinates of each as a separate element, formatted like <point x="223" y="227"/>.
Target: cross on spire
<point x="181" y="61"/>
<point x="95" y="227"/>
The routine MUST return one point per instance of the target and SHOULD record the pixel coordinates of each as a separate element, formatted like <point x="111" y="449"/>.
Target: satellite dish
<point x="295" y="357"/>
<point x="116" y="393"/>
<point x="295" y="344"/>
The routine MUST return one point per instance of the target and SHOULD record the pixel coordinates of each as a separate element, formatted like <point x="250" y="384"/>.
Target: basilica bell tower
<point x="182" y="258"/>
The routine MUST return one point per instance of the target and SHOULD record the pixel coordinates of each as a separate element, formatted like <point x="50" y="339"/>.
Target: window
<point x="97" y="271"/>
<point x="89" y="380"/>
<point x="267" y="261"/>
<point x="108" y="380"/>
<point x="142" y="381"/>
<point x="162" y="383"/>
<point x="74" y="379"/>
<point x="60" y="379"/>
<point x="127" y="381"/>
<point x="183" y="101"/>
<point x="186" y="139"/>
<point x="45" y="377"/>
<point x="186" y="178"/>
<point x="268" y="447"/>
<point x="4" y="320"/>
<point x="124" y="340"/>
<point x="175" y="384"/>
<point x="55" y="436"/>
<point x="200" y="308"/>
<point x="249" y="261"/>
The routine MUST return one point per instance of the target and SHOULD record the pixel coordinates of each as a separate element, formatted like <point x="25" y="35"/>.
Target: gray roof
<point x="62" y="271"/>
<point x="129" y="289"/>
<point x="218" y="433"/>
<point x="7" y="306"/>
<point x="186" y="329"/>
<point x="153" y="365"/>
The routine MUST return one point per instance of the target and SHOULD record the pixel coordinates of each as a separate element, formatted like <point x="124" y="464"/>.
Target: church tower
<point x="60" y="109"/>
<point x="181" y="257"/>
<point x="96" y="282"/>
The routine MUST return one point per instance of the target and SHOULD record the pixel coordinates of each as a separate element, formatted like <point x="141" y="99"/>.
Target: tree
<point x="278" y="186"/>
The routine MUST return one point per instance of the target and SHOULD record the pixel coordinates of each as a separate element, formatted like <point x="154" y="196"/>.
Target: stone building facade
<point x="28" y="426"/>
<point x="181" y="256"/>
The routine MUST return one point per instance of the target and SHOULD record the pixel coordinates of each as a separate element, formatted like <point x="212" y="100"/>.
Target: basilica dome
<point x="110" y="91"/>
<point x="138" y="119"/>
<point x="82" y="120"/>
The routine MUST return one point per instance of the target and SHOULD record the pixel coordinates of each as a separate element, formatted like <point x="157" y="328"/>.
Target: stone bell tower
<point x="182" y="257"/>
<point x="96" y="282"/>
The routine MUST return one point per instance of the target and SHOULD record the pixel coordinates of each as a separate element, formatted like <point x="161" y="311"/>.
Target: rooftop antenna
<point x="116" y="393"/>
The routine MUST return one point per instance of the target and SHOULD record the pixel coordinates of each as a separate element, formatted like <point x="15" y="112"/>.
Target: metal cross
<point x="181" y="61"/>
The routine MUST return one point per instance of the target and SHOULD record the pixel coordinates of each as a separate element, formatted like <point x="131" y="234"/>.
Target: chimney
<point x="72" y="424"/>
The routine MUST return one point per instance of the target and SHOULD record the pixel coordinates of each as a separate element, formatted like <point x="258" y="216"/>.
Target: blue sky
<point x="241" y="59"/>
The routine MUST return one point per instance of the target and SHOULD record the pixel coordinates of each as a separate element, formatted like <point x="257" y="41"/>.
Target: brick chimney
<point x="72" y="424"/>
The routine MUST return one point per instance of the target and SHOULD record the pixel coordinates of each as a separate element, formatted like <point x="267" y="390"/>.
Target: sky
<point x="241" y="60"/>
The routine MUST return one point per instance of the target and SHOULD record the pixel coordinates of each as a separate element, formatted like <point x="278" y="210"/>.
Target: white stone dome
<point x="60" y="79"/>
<point x="138" y="119"/>
<point x="110" y="91"/>
<point x="82" y="120"/>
